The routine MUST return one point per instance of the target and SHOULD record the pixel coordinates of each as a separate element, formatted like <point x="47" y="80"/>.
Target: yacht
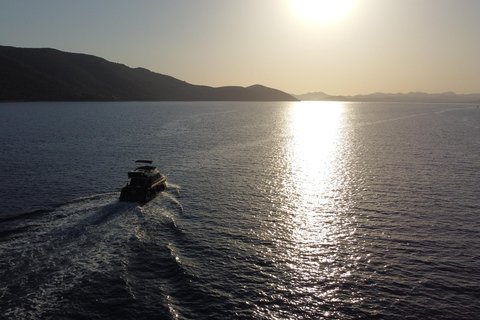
<point x="145" y="183"/>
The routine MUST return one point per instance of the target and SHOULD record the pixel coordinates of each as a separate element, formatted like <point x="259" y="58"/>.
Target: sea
<point x="273" y="210"/>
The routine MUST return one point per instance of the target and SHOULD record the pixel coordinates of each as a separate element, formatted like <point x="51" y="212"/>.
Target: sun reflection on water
<point x="319" y="232"/>
<point x="312" y="155"/>
<point x="314" y="130"/>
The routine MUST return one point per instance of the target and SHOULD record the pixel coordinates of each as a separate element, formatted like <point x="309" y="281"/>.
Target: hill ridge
<point x="47" y="74"/>
<point x="444" y="97"/>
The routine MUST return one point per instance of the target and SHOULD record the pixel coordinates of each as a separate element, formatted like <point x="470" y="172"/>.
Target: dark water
<point x="273" y="211"/>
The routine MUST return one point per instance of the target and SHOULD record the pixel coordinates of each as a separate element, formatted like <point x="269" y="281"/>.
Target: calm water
<point x="273" y="211"/>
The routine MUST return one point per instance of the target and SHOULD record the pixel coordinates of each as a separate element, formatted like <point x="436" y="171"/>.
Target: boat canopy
<point x="145" y="161"/>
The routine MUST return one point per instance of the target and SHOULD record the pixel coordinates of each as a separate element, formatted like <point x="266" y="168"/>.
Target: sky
<point x="369" y="46"/>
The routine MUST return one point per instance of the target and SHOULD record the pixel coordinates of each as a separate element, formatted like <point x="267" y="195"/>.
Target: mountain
<point x="313" y="96"/>
<point x="446" y="97"/>
<point x="31" y="74"/>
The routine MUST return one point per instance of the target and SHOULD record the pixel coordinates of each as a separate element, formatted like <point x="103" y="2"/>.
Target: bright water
<point x="273" y="211"/>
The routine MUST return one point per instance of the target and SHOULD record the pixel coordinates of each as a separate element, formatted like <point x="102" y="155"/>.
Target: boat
<point x="145" y="183"/>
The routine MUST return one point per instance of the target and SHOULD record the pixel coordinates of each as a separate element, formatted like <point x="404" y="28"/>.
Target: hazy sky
<point x="375" y="46"/>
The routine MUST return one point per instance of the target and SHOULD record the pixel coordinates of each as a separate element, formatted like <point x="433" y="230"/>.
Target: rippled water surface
<point x="305" y="210"/>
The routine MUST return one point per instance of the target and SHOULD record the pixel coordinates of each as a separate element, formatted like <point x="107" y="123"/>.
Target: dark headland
<point x="43" y="74"/>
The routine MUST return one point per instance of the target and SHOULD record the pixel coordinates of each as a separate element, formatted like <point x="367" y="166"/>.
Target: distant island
<point x="43" y="74"/>
<point x="446" y="97"/>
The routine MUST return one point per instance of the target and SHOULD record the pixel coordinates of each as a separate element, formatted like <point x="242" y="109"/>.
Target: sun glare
<point x="322" y="11"/>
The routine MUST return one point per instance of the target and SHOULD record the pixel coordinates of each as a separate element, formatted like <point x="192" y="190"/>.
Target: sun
<point x="322" y="11"/>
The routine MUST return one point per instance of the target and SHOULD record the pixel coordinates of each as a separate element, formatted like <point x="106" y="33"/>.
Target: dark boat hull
<point x="135" y="194"/>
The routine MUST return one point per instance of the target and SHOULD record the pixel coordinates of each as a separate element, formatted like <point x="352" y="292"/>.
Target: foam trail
<point x="419" y="115"/>
<point x="395" y="119"/>
<point x="174" y="200"/>
<point x="175" y="186"/>
<point x="456" y="109"/>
